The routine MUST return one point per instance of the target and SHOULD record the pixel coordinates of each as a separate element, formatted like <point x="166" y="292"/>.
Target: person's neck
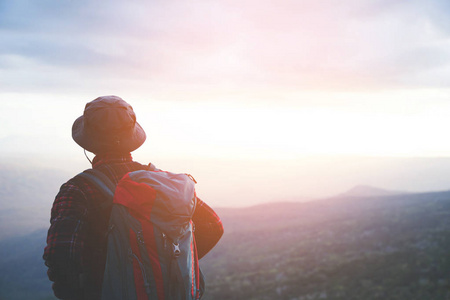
<point x="111" y="157"/>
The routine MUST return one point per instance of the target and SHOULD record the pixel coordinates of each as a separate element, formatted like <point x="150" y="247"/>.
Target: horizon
<point x="312" y="178"/>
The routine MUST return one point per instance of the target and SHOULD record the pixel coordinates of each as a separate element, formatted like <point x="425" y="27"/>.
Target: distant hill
<point x="23" y="274"/>
<point x="369" y="191"/>
<point x="389" y="247"/>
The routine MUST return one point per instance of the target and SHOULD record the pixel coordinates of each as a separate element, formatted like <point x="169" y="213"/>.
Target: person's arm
<point x="208" y="228"/>
<point x="65" y="241"/>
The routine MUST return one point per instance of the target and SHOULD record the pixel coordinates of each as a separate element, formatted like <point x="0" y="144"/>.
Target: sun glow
<point x="234" y="129"/>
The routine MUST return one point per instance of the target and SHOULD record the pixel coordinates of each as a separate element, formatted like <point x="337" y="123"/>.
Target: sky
<point x="316" y="95"/>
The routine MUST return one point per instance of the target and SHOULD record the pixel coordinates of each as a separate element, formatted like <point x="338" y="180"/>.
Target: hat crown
<point x="109" y="114"/>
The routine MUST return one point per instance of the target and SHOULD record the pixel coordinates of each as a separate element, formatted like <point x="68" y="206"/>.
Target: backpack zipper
<point x="165" y="240"/>
<point x="141" y="266"/>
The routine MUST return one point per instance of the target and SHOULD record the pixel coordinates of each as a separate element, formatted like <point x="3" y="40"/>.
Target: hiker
<point x="77" y="238"/>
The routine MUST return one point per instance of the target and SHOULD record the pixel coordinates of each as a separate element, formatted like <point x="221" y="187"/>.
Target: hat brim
<point x="94" y="144"/>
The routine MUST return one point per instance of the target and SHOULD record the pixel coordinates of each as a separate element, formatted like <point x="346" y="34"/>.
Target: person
<point x="75" y="253"/>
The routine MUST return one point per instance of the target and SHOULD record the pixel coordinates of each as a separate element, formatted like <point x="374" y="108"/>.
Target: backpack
<point x="151" y="250"/>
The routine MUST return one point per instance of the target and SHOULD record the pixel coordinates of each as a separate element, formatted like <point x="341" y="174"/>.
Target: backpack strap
<point x="107" y="188"/>
<point x="101" y="181"/>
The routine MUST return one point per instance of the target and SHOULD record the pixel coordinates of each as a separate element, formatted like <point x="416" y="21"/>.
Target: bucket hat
<point x="108" y="124"/>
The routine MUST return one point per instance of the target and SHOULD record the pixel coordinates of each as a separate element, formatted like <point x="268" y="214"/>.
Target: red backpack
<point x="151" y="250"/>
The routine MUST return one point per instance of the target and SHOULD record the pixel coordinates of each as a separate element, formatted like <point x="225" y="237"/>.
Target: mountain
<point x="23" y="274"/>
<point x="389" y="247"/>
<point x="369" y="191"/>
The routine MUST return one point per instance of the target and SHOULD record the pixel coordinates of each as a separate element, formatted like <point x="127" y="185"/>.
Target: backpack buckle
<point x="176" y="250"/>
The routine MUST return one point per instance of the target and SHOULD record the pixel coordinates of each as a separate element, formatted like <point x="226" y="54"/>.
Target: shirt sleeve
<point x="208" y="228"/>
<point x="66" y="235"/>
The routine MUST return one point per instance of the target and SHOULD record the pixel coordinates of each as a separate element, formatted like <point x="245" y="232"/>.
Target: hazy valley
<point x="367" y="243"/>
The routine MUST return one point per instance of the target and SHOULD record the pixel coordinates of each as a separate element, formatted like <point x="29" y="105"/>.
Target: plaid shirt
<point x="76" y="241"/>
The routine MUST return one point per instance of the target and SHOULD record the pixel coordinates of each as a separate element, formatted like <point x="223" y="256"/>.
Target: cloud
<point x="346" y="45"/>
<point x="224" y="45"/>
